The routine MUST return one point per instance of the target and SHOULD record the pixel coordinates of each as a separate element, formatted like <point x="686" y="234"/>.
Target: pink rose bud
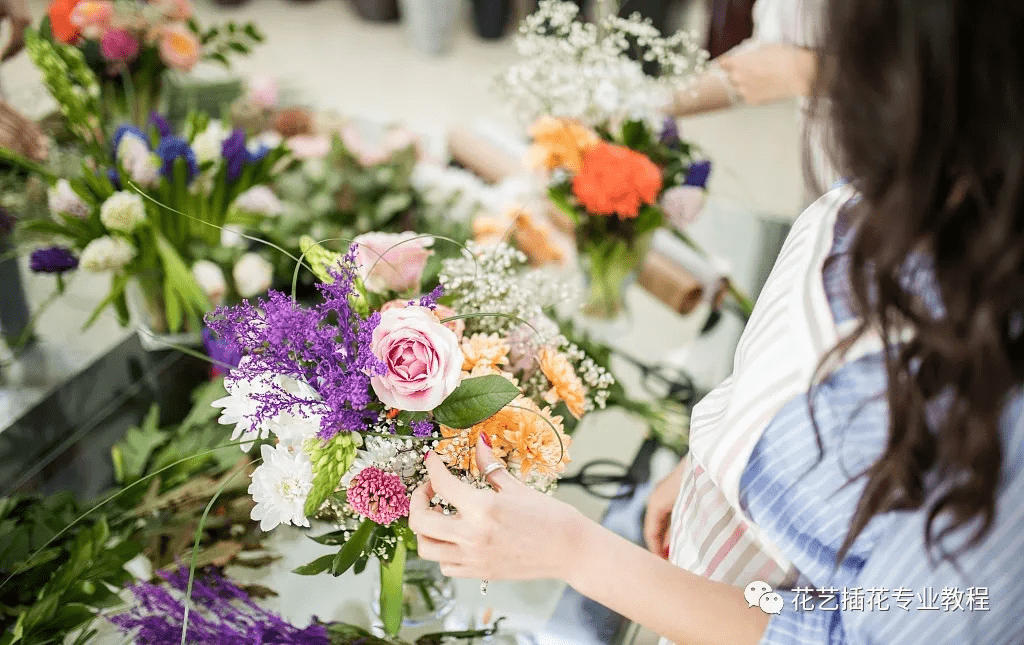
<point x="119" y="46"/>
<point x="422" y="359"/>
<point x="392" y="261"/>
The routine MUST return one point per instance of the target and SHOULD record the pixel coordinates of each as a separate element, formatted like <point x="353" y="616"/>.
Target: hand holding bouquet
<point x="356" y="389"/>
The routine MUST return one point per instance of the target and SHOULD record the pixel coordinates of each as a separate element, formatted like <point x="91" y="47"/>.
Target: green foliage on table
<point x="53" y="584"/>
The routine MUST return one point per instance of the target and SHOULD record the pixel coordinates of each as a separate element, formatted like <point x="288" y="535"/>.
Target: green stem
<point x="391" y="576"/>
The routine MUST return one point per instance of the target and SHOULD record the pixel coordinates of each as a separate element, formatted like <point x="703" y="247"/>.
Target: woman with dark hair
<point x="872" y="460"/>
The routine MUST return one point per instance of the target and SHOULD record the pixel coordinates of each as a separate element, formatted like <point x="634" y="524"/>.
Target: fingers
<point x="500" y="478"/>
<point x="425" y="521"/>
<point x="438" y="550"/>
<point x="446" y="484"/>
<point x="656" y="529"/>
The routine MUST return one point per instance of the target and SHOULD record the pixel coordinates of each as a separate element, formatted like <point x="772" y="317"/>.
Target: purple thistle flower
<point x="327" y="345"/>
<point x="235" y="154"/>
<point x="54" y="259"/>
<point x="173" y="148"/>
<point x="122" y="131"/>
<point x="698" y="173"/>
<point x="220" y="613"/>
<point x="669" y="133"/>
<point x="158" y="121"/>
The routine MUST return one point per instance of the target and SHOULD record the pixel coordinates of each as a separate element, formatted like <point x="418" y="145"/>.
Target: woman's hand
<point x="769" y="72"/>
<point x="658" y="517"/>
<point x="516" y="533"/>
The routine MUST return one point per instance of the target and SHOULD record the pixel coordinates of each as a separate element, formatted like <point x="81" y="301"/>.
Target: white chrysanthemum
<point x="259" y="200"/>
<point x="208" y="145"/>
<point x="253" y="275"/>
<point x="106" y="254"/>
<point x="211" y="280"/>
<point x="280" y="486"/>
<point x="141" y="164"/>
<point x="123" y="211"/>
<point x="62" y="199"/>
<point x="293" y="427"/>
<point x="395" y="455"/>
<point x="239" y="407"/>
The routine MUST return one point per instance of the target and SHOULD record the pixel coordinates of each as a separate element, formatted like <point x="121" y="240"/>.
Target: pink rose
<point x="119" y="46"/>
<point x="392" y="261"/>
<point x="179" y="48"/>
<point x="683" y="205"/>
<point x="422" y="356"/>
<point x="458" y="325"/>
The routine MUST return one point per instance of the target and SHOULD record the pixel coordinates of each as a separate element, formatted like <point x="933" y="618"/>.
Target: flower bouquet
<point x="152" y="211"/>
<point x="129" y="45"/>
<point x="612" y="174"/>
<point x="348" y="395"/>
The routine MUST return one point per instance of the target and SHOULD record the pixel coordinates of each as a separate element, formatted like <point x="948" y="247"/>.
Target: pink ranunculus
<point x="119" y="46"/>
<point x="683" y="205"/>
<point x="179" y="47"/>
<point x="392" y="261"/>
<point x="458" y="325"/>
<point x="263" y="92"/>
<point x="92" y="17"/>
<point x="422" y="358"/>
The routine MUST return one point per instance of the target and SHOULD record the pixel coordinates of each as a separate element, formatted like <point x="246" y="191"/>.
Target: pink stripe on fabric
<point x="724" y="550"/>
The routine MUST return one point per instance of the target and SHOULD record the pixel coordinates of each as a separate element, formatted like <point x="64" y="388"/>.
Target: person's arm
<point x="753" y="74"/>
<point x="16" y="11"/>
<point x="519" y="533"/>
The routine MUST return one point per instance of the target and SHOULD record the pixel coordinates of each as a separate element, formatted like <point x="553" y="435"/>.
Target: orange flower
<point x="488" y="229"/>
<point x="63" y="29"/>
<point x="487" y="351"/>
<point x="566" y="385"/>
<point x="616" y="181"/>
<point x="458" y="448"/>
<point x="179" y="48"/>
<point x="559" y="143"/>
<point x="534" y="240"/>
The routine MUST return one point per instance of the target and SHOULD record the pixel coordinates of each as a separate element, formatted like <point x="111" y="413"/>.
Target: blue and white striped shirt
<point x="888" y="589"/>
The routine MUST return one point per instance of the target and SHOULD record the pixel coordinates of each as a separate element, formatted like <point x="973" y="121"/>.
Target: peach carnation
<point x="559" y="143"/>
<point x="566" y="385"/>
<point x="484" y="351"/>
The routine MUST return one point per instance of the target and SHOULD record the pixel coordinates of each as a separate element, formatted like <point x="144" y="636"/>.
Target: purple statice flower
<point x="122" y="131"/>
<point x="171" y="149"/>
<point x="422" y="428"/>
<point x="430" y="300"/>
<point x="161" y="124"/>
<point x="698" y="174"/>
<point x="328" y="345"/>
<point x="669" y="133"/>
<point x="7" y="221"/>
<point x="220" y="613"/>
<point x="54" y="259"/>
<point x="235" y="153"/>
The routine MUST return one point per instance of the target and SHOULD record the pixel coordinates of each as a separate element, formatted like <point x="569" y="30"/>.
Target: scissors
<point x="605" y="479"/>
<point x="663" y="381"/>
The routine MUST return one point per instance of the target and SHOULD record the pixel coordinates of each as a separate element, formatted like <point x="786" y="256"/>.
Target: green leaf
<point x="635" y="134"/>
<point x="172" y="307"/>
<point x="475" y="400"/>
<point x="391" y="577"/>
<point x="133" y="452"/>
<point x="350" y="552"/>
<point x="324" y="482"/>
<point x="117" y="286"/>
<point x="321" y="564"/>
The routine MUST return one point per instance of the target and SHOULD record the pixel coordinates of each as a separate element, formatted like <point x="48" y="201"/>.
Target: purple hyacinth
<point x="54" y="259"/>
<point x="669" y="133"/>
<point x="698" y="174"/>
<point x="235" y="154"/>
<point x="221" y="613"/>
<point x="326" y="345"/>
<point x="158" y="121"/>
<point x="173" y="148"/>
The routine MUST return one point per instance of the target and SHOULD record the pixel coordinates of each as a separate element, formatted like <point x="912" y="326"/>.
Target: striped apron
<point x="791" y="329"/>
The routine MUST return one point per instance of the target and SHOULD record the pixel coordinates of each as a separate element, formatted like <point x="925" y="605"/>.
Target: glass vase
<point x="609" y="266"/>
<point x="427" y="594"/>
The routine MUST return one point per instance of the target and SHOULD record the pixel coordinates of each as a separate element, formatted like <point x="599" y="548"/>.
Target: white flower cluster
<point x="595" y="72"/>
<point x="123" y="211"/>
<point x="597" y="379"/>
<point x="63" y="200"/>
<point x="400" y="455"/>
<point x="107" y="254"/>
<point x="493" y="281"/>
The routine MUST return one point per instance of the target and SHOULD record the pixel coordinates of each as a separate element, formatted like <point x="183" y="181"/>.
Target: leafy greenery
<point x="474" y="400"/>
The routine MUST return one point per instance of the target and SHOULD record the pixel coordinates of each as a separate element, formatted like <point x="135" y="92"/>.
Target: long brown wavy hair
<point x="925" y="104"/>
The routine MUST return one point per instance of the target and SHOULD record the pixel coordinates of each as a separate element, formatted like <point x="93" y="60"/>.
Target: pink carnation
<point x="378" y="495"/>
<point x="119" y="46"/>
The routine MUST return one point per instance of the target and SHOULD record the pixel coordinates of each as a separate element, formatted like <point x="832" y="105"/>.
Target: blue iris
<point x="173" y="148"/>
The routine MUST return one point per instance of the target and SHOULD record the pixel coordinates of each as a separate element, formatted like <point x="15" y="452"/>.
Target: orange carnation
<point x="61" y="26"/>
<point x="559" y="143"/>
<point x="616" y="181"/>
<point x="565" y="383"/>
